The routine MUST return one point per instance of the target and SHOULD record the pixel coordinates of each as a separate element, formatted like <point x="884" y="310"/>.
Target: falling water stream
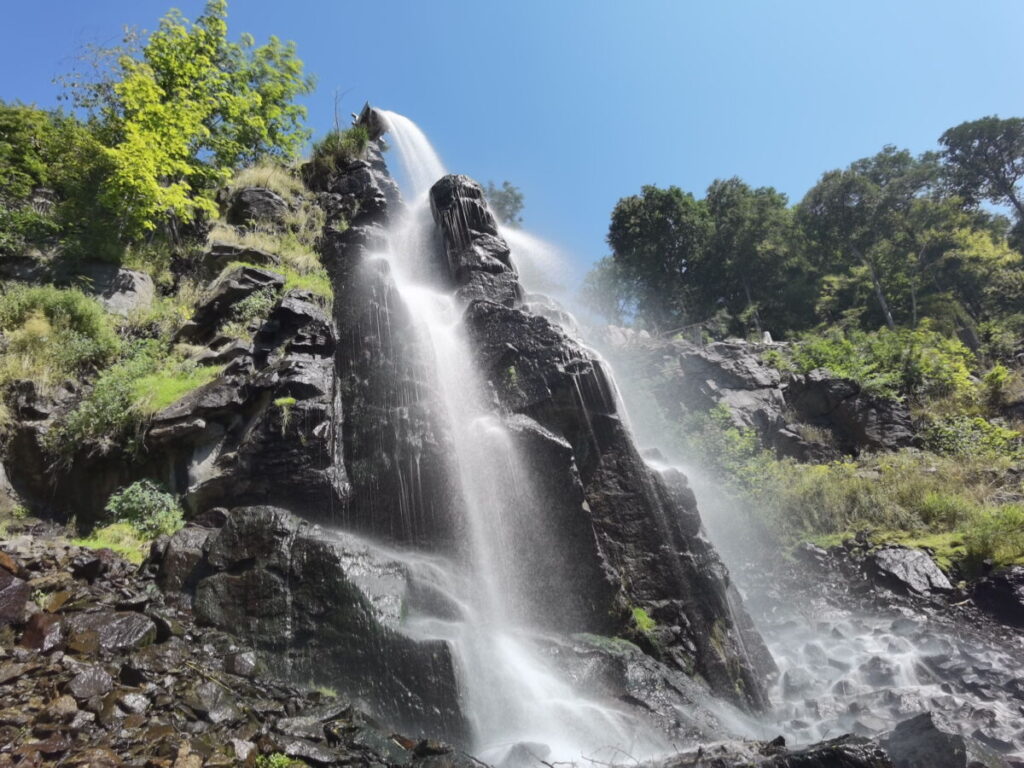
<point x="512" y="694"/>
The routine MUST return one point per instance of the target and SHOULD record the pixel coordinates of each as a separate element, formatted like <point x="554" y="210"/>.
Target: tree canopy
<point x="891" y="239"/>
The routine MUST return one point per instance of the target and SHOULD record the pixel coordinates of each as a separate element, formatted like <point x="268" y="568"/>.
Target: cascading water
<point x="513" y="695"/>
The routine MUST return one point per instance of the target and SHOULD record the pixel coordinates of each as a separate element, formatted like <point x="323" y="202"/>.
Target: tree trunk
<point x="878" y="290"/>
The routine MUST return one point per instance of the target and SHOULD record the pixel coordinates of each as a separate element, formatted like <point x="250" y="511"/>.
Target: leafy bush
<point x="147" y="507"/>
<point x="972" y="436"/>
<point x="53" y="334"/>
<point x="905" y="362"/>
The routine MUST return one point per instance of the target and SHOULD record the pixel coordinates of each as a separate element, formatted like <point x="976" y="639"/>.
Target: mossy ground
<point x="122" y="538"/>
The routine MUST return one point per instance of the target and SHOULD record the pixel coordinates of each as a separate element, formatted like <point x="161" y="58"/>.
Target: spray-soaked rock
<point x="1002" y="595"/>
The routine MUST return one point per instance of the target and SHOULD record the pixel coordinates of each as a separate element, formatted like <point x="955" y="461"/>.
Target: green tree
<point x="185" y="109"/>
<point x="856" y="217"/>
<point x="752" y="268"/>
<point x="985" y="160"/>
<point x="506" y="202"/>
<point x="656" y="237"/>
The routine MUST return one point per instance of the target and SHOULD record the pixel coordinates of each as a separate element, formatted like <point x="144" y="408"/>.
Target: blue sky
<point x="581" y="103"/>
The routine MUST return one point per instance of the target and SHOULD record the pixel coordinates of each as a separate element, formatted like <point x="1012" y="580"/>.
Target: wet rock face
<point x="327" y="607"/>
<point x="1002" y="595"/>
<point x="478" y="259"/>
<point x="620" y="521"/>
<point x="396" y="449"/>
<point x="647" y="538"/>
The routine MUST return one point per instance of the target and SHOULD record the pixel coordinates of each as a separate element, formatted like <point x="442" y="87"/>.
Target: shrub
<point x="53" y="334"/>
<point x="147" y="507"/>
<point x="338" y="148"/>
<point x="255" y="306"/>
<point x="972" y="436"/>
<point x="905" y="362"/>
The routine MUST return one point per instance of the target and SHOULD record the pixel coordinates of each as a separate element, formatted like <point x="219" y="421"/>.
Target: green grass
<point x="158" y="390"/>
<point x="316" y="281"/>
<point x="120" y="537"/>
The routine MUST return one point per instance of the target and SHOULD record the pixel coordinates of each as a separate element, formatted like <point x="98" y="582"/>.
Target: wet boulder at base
<point x="324" y="607"/>
<point x="906" y="570"/>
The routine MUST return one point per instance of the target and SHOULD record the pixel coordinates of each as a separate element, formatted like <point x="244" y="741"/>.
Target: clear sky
<point x="581" y="103"/>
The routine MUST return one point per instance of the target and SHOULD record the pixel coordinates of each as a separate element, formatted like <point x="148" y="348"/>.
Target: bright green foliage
<point x="506" y="202"/>
<point x="963" y="435"/>
<point x="189" y="108"/>
<point x="903" y="362"/>
<point x="277" y="760"/>
<point x="643" y="620"/>
<point x="996" y="534"/>
<point x="147" y="379"/>
<point x="147" y="507"/>
<point x="48" y="150"/>
<point x="171" y="383"/>
<point x="122" y="538"/>
<point x="53" y="334"/>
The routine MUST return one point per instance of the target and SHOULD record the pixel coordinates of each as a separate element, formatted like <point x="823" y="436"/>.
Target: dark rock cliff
<point x="644" y="536"/>
<point x="331" y="417"/>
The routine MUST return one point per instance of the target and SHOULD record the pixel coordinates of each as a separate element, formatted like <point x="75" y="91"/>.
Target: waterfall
<point x="513" y="694"/>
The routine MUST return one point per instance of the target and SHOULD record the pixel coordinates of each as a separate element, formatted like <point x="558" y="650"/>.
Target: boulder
<point x="327" y="606"/>
<point x="1002" y="594"/>
<point x="109" y="631"/>
<point x="928" y="740"/>
<point x="229" y="289"/>
<point x="14" y="594"/>
<point x="906" y="570"/>
<point x="121" y="291"/>
<point x="254" y="205"/>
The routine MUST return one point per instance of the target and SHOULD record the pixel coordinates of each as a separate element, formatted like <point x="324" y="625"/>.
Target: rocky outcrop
<point x="478" y="259"/>
<point x="858" y="421"/>
<point x="326" y="607"/>
<point x="254" y="205"/>
<point x="102" y="670"/>
<point x="645" y="534"/>
<point x="264" y="431"/>
<point x="812" y="417"/>
<point x="1002" y="595"/>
